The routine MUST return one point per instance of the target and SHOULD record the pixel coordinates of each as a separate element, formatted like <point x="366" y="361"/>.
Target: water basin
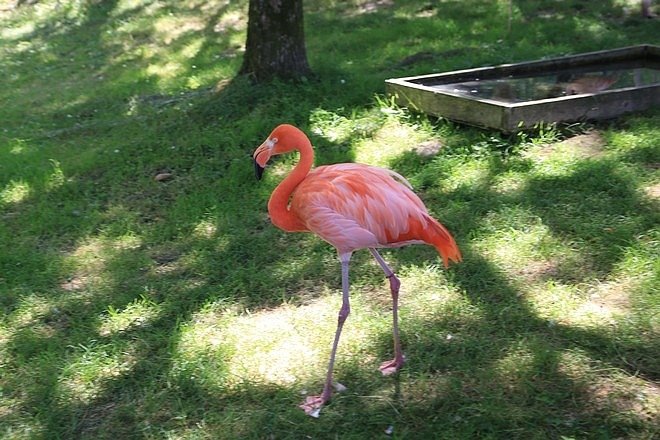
<point x="595" y="85"/>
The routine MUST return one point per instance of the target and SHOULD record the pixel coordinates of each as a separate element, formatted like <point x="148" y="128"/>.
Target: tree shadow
<point x="477" y="402"/>
<point x="180" y="275"/>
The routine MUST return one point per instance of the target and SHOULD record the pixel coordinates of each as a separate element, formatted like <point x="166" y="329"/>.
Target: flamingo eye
<point x="274" y="140"/>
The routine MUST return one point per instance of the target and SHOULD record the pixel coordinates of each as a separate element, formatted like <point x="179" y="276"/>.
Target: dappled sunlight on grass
<point x="590" y="304"/>
<point x="90" y="257"/>
<point x="516" y="240"/>
<point x="134" y="306"/>
<point x="511" y="184"/>
<point x="557" y="158"/>
<point x="338" y="128"/>
<point x="286" y="345"/>
<point x="29" y="311"/>
<point x="91" y="262"/>
<point x="609" y="390"/>
<point x="15" y="192"/>
<point x="206" y="228"/>
<point x="469" y="174"/>
<point x="426" y="294"/>
<point x="165" y="71"/>
<point x="90" y="367"/>
<point x="596" y="312"/>
<point x="101" y="247"/>
<point x="289" y="345"/>
<point x="167" y="42"/>
<point x="42" y="14"/>
<point x="554" y="301"/>
<point x="137" y="314"/>
<point x="19" y="146"/>
<point x="170" y="28"/>
<point x="391" y="140"/>
<point x="516" y="364"/>
<point x="18" y="32"/>
<point x="56" y="177"/>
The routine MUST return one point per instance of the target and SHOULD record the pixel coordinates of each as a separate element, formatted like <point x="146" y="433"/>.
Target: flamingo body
<point x="351" y="206"/>
<point x="355" y="206"/>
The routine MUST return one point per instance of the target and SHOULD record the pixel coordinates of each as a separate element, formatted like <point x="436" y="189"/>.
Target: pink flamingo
<point x="351" y="206"/>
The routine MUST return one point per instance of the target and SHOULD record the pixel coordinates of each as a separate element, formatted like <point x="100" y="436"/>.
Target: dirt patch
<point x="428" y="148"/>
<point x="582" y="146"/>
<point x="653" y="191"/>
<point x="588" y="145"/>
<point x="613" y="296"/>
<point x="74" y="283"/>
<point x="634" y="396"/>
<point x="537" y="271"/>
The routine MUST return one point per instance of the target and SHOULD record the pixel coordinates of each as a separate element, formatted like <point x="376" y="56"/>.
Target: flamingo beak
<point x="258" y="170"/>
<point x="261" y="156"/>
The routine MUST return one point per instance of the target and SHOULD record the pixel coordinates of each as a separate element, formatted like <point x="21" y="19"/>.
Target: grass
<point x="137" y="308"/>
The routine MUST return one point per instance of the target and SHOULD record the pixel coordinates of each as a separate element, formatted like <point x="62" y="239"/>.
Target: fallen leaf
<point x="162" y="177"/>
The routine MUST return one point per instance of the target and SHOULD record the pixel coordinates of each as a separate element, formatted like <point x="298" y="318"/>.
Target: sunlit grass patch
<point x="592" y="305"/>
<point x="56" y="177"/>
<point x="427" y="294"/>
<point x="169" y="28"/>
<point x="510" y="184"/>
<point x="637" y="142"/>
<point x="4" y="336"/>
<point x="286" y="345"/>
<point x="15" y="192"/>
<point x="174" y="309"/>
<point x="468" y="174"/>
<point x="19" y="146"/>
<point x="596" y="303"/>
<point x="136" y="314"/>
<point x="578" y="147"/>
<point x="90" y="367"/>
<point x="18" y="425"/>
<point x="90" y="258"/>
<point x="520" y="367"/>
<point x="608" y="390"/>
<point x="41" y="14"/>
<point x="167" y="44"/>
<point x="290" y="345"/>
<point x="626" y="399"/>
<point x="518" y="241"/>
<point x="554" y="301"/>
<point x="206" y="228"/>
<point x="97" y="249"/>
<point x="389" y="141"/>
<point x="29" y="311"/>
<point x="339" y="128"/>
<point x="90" y="265"/>
<point x="600" y="309"/>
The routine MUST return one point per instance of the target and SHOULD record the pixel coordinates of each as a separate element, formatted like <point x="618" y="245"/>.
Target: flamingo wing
<point x="354" y="206"/>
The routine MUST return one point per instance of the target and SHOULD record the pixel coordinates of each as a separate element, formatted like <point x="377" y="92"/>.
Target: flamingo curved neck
<point x="278" y="205"/>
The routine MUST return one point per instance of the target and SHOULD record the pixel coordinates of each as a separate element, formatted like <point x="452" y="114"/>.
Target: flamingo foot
<point x="313" y="404"/>
<point x="391" y="367"/>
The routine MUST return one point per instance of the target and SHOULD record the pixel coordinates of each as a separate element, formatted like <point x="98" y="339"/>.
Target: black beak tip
<point x="258" y="170"/>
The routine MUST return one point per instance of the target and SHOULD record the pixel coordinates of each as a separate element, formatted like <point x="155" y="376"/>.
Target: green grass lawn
<point x="138" y="308"/>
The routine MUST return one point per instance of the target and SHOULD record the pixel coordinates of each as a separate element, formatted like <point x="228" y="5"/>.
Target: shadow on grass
<point x="597" y="208"/>
<point x="179" y="275"/>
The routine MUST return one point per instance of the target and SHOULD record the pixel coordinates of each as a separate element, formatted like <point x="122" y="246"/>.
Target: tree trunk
<point x="275" y="45"/>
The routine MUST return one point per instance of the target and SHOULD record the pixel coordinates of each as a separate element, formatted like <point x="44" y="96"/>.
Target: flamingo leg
<point x="390" y="367"/>
<point x="313" y="404"/>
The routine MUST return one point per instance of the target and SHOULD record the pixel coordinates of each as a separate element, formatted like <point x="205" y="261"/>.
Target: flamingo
<point x="351" y="206"/>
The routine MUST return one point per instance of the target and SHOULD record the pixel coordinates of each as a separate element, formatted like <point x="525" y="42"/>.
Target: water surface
<point x="534" y="88"/>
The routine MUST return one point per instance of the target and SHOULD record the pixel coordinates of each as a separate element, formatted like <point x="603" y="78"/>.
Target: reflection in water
<point x="553" y="85"/>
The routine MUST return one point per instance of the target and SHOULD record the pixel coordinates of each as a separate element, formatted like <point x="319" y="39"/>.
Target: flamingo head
<point x="282" y="140"/>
